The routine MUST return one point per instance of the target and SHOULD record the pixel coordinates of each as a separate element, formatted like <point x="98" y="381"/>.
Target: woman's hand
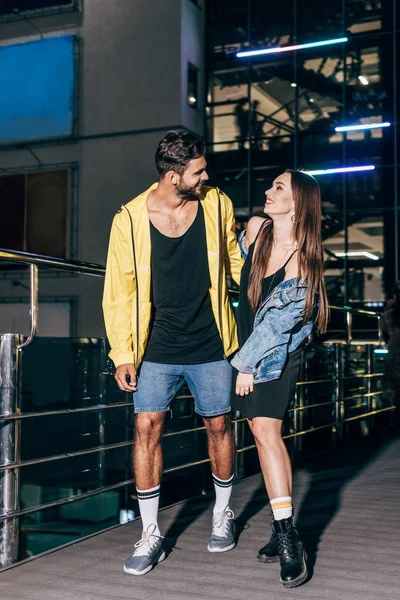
<point x="244" y="384"/>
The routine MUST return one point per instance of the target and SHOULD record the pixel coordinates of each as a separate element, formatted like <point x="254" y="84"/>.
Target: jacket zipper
<point x="219" y="265"/>
<point x="137" y="289"/>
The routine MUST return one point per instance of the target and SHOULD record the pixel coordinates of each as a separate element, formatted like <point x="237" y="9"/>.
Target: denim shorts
<point x="210" y="384"/>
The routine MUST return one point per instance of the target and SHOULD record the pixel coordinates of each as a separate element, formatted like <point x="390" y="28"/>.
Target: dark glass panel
<point x="318" y="21"/>
<point x="12" y="212"/>
<point x="15" y="6"/>
<point x="46" y="224"/>
<point x="367" y="16"/>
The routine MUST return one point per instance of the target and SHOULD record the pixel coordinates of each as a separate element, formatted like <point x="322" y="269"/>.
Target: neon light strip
<point x="341" y="170"/>
<point x="358" y="127"/>
<point x="290" y="48"/>
<point x="366" y="254"/>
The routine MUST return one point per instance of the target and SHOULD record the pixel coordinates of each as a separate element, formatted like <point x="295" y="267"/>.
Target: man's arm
<point x="118" y="298"/>
<point x="232" y="255"/>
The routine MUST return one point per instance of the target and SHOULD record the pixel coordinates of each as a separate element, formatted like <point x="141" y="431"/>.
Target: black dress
<point x="272" y="398"/>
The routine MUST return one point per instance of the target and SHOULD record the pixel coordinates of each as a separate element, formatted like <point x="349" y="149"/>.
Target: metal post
<point x="349" y="326"/>
<point x="249" y="116"/>
<point x="370" y="386"/>
<point x="9" y="446"/>
<point x="238" y="435"/>
<point x="101" y="419"/>
<point x="338" y="428"/>
<point x="299" y="402"/>
<point x="34" y="292"/>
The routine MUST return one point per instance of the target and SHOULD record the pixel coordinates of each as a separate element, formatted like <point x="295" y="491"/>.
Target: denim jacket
<point x="279" y="328"/>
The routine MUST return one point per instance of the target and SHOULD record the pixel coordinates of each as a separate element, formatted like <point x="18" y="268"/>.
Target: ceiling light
<point x="247" y="53"/>
<point x="192" y="100"/>
<point x="366" y="254"/>
<point x="363" y="80"/>
<point x="293" y="84"/>
<point x="359" y="127"/>
<point x="341" y="170"/>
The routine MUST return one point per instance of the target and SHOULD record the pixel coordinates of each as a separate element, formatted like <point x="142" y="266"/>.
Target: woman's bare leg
<point x="273" y="456"/>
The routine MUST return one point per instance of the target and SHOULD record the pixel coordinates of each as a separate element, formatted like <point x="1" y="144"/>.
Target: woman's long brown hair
<point x="307" y="233"/>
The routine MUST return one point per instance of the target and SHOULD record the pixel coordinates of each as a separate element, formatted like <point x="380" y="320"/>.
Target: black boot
<point x="270" y="552"/>
<point x="292" y="555"/>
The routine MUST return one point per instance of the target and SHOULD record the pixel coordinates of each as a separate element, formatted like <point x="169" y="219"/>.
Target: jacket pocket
<point x="284" y="297"/>
<point x="280" y="299"/>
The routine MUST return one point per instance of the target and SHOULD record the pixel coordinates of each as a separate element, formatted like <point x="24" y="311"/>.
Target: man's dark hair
<point x="176" y="149"/>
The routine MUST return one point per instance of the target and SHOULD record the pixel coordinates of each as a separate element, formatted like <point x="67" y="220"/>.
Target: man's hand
<point x="244" y="384"/>
<point x="125" y="376"/>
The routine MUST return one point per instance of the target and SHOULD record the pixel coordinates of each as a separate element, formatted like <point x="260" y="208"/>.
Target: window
<point x="38" y="79"/>
<point x="8" y="7"/>
<point x="193" y="86"/>
<point x="34" y="212"/>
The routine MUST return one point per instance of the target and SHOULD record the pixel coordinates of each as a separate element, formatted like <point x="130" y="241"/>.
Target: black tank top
<point x="245" y="314"/>
<point x="183" y="330"/>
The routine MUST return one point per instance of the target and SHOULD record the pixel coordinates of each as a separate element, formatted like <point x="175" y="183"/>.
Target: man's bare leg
<point x="147" y="465"/>
<point x="221" y="447"/>
<point x="221" y="450"/>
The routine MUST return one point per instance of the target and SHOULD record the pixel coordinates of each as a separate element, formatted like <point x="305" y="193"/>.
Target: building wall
<point x="132" y="89"/>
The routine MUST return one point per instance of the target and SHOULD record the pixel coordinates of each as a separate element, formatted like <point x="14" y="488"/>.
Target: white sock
<point x="223" y="490"/>
<point x="148" y="506"/>
<point x="282" y="507"/>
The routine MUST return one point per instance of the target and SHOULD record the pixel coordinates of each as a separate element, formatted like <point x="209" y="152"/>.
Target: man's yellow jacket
<point x="127" y="289"/>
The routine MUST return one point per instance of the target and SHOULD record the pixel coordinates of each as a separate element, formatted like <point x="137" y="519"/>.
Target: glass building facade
<point x="279" y="110"/>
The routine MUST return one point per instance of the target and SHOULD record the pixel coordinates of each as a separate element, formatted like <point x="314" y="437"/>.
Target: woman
<point x="390" y="328"/>
<point x="282" y="296"/>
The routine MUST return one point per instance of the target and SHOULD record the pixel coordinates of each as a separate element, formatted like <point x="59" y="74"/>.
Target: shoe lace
<point x="286" y="545"/>
<point x="150" y="539"/>
<point x="271" y="516"/>
<point x="221" y="521"/>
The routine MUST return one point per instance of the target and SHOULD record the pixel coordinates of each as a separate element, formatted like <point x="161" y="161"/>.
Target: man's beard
<point x="185" y="191"/>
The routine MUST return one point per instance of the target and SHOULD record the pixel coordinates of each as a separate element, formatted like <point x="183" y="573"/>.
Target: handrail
<point x="75" y="266"/>
<point x="334" y="405"/>
<point x="34" y="306"/>
<point x="86" y="268"/>
<point x="97" y="407"/>
<point x="49" y="262"/>
<point x="301" y="414"/>
<point x="357" y="311"/>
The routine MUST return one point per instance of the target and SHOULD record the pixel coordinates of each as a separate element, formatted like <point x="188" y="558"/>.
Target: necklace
<point x="269" y="289"/>
<point x="282" y="261"/>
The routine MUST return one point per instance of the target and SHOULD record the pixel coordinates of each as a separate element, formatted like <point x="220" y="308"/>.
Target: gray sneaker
<point x="148" y="553"/>
<point x="223" y="532"/>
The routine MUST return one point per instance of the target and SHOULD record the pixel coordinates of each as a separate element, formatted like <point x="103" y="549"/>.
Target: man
<point x="169" y="321"/>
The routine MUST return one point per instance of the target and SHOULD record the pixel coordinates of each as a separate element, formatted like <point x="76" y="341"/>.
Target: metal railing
<point x="341" y="385"/>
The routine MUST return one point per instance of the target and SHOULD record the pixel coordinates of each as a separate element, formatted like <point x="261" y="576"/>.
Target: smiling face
<point x="279" y="198"/>
<point x="190" y="183"/>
